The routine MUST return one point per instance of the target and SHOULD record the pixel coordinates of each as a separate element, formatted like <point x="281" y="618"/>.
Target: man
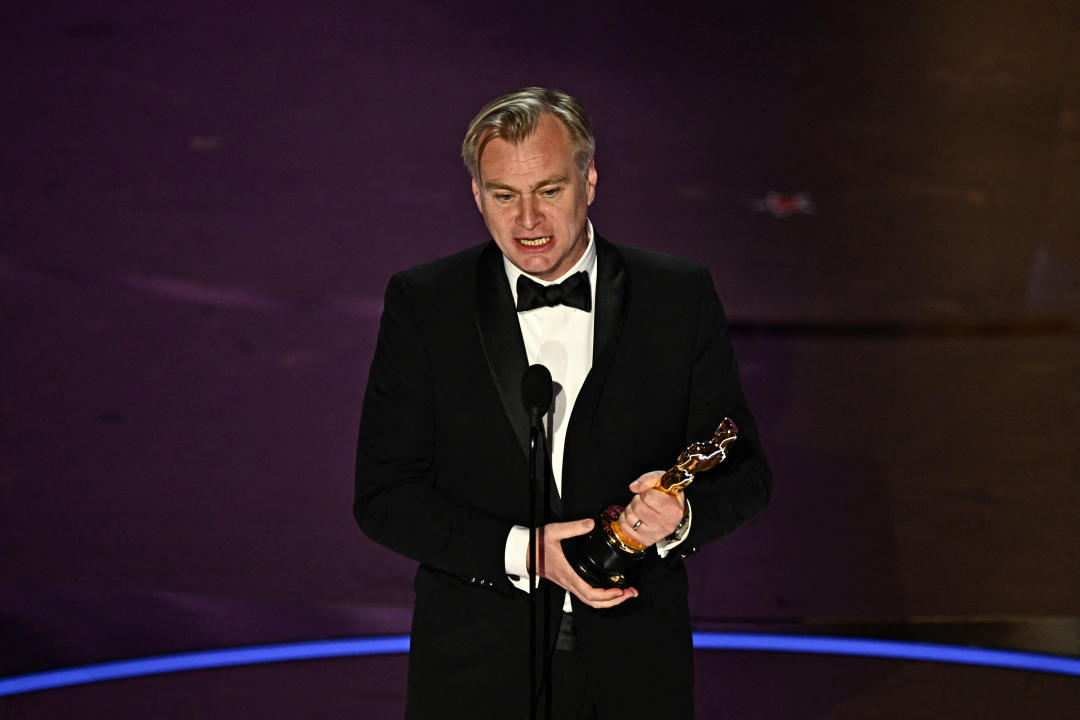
<point x="642" y="366"/>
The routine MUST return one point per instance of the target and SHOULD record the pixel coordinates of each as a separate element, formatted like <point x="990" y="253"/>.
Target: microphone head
<point x="536" y="389"/>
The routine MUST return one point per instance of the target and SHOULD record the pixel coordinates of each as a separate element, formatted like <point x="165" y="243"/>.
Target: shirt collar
<point x="586" y="262"/>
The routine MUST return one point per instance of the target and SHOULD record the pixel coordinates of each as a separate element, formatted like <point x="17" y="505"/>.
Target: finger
<point x="647" y="526"/>
<point x="567" y="578"/>
<point x="660" y="525"/>
<point x="662" y="505"/>
<point x="641" y="510"/>
<point x="591" y="594"/>
<point x="646" y="481"/>
<point x="563" y="530"/>
<point x="635" y="509"/>
<point x="655" y="496"/>
<point x="603" y="605"/>
<point x="645" y="534"/>
<point x="606" y="598"/>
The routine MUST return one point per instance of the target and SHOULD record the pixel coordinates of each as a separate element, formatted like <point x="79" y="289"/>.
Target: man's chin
<point x="535" y="266"/>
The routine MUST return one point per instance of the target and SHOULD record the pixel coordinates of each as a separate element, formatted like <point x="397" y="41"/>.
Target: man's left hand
<point x="659" y="512"/>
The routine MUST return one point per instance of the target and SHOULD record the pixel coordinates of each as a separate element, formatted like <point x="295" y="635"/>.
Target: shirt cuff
<point x="665" y="546"/>
<point x="517" y="547"/>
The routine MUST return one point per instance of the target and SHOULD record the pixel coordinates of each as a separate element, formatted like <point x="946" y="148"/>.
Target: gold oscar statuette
<point x="604" y="556"/>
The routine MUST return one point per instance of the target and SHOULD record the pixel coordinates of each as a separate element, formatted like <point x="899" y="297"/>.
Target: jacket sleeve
<point x="736" y="490"/>
<point x="398" y="501"/>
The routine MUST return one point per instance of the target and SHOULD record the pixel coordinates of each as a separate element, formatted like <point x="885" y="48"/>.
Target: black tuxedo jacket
<point x="442" y="471"/>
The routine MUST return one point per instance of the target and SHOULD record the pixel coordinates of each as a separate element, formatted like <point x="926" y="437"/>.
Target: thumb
<point x="646" y="481"/>
<point x="563" y="530"/>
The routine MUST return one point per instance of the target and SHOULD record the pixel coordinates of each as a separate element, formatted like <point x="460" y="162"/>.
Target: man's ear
<point x="590" y="182"/>
<point x="476" y="196"/>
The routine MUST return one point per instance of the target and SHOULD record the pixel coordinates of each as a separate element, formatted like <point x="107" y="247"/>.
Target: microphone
<point x="536" y="390"/>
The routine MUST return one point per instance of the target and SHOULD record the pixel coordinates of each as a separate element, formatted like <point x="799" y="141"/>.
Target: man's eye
<point x="550" y="192"/>
<point x="503" y="197"/>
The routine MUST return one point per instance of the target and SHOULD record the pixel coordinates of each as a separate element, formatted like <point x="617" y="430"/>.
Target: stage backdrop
<point x="203" y="202"/>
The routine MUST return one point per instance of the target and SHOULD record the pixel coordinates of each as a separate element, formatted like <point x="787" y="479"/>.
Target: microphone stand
<point x="534" y="440"/>
<point x="538" y="450"/>
<point x="536" y="392"/>
<point x="547" y="490"/>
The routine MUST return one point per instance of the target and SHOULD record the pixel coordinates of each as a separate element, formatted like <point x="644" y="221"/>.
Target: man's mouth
<point x="534" y="242"/>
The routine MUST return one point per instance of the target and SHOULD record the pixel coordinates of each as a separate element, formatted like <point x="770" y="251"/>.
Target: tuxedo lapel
<point x="500" y="335"/>
<point x="612" y="290"/>
<point x="612" y="303"/>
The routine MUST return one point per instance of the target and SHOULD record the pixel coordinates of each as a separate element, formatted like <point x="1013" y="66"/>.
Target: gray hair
<point x="513" y="117"/>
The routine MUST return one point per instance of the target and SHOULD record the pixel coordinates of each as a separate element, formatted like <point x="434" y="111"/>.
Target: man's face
<point x="534" y="199"/>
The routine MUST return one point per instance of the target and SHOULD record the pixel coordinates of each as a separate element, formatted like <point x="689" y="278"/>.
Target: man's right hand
<point x="553" y="566"/>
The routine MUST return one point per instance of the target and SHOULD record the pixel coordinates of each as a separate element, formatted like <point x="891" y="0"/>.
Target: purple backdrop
<point x="204" y="200"/>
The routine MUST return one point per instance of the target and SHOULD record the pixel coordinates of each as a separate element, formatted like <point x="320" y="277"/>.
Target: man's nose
<point x="529" y="215"/>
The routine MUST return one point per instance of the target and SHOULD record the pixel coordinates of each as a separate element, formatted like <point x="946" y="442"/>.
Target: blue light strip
<point x="891" y="649"/>
<point x="160" y="664"/>
<point x="392" y="644"/>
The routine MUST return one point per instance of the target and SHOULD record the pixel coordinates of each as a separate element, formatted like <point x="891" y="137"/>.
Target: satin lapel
<point x="612" y="303"/>
<point x="500" y="335"/>
<point x="612" y="294"/>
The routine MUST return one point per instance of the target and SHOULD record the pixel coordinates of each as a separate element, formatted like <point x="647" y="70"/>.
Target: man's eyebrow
<point x="555" y="180"/>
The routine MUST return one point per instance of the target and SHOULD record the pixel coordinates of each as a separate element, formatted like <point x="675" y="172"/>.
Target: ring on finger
<point x="637" y="524"/>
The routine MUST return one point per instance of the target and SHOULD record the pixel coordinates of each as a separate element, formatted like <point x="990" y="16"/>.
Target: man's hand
<point x="654" y="512"/>
<point x="554" y="567"/>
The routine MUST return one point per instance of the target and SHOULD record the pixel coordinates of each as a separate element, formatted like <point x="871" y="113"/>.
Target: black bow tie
<point x="573" y="292"/>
